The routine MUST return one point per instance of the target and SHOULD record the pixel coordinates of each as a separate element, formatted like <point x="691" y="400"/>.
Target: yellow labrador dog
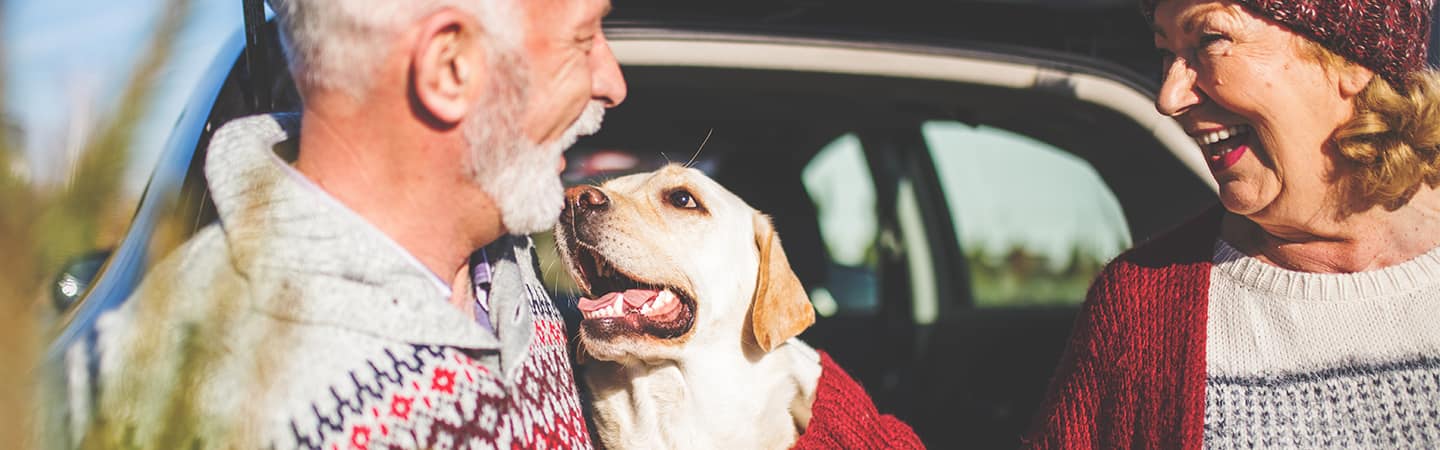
<point x="690" y="313"/>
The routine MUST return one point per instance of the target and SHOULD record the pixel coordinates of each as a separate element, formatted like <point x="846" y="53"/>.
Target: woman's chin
<point x="1243" y="198"/>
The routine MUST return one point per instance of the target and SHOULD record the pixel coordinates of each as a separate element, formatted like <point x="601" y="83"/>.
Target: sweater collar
<point x="1277" y="282"/>
<point x="293" y="241"/>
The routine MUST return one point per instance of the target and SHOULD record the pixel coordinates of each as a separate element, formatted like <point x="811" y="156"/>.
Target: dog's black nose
<point x="586" y="199"/>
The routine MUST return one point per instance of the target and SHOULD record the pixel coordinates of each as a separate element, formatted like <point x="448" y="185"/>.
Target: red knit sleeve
<point x="843" y="416"/>
<point x="1066" y="419"/>
<point x="1133" y="373"/>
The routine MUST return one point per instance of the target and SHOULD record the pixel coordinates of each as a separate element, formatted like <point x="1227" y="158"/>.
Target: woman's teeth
<point x="1220" y="135"/>
<point x="1208" y="141"/>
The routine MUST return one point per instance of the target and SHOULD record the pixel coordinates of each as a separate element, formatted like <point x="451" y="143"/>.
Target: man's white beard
<point x="519" y="174"/>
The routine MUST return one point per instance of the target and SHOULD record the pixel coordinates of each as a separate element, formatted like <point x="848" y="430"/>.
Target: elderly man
<point x="377" y="291"/>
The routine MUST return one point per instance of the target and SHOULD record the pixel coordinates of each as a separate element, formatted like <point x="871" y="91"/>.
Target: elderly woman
<point x="1306" y="312"/>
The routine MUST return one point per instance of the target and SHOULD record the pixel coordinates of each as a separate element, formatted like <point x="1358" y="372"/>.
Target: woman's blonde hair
<point x="1393" y="141"/>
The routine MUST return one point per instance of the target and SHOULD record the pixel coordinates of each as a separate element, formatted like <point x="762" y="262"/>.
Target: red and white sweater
<point x="1187" y="342"/>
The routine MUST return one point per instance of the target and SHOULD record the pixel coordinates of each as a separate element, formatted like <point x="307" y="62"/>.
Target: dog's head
<point x="670" y="258"/>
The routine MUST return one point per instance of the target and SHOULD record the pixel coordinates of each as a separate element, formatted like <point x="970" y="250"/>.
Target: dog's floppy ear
<point x="780" y="309"/>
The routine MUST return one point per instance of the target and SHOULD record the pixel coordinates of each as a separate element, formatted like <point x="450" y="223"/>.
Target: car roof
<point x="1107" y="30"/>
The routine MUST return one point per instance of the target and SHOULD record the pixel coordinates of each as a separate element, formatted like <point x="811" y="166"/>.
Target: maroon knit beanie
<point x="1386" y="36"/>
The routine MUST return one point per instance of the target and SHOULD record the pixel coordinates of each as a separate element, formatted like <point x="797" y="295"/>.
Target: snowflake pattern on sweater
<point x="438" y="397"/>
<point x="307" y="327"/>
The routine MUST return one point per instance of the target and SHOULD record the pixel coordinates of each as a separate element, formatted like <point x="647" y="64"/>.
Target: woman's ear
<point x="447" y="66"/>
<point x="1353" y="80"/>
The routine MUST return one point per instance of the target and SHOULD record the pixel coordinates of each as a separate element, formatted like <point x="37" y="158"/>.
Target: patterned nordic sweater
<point x="292" y="323"/>
<point x="1184" y="342"/>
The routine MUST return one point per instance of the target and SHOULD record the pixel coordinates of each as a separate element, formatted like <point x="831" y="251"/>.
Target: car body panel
<point x="123" y="272"/>
<point x="658" y="47"/>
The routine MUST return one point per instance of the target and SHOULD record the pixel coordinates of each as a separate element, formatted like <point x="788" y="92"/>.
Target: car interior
<point x="973" y="375"/>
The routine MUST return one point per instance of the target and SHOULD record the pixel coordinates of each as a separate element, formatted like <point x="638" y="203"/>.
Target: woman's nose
<point x="1178" y="93"/>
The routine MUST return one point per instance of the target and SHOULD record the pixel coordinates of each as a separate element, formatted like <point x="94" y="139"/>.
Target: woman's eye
<point x="1209" y="39"/>
<point x="683" y="200"/>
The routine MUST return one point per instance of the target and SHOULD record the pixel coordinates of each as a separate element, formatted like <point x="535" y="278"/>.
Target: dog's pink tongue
<point x="636" y="297"/>
<point x="633" y="298"/>
<point x="588" y="305"/>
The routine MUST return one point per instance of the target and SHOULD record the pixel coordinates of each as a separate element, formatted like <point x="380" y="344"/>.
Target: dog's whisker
<point x="572" y="217"/>
<point x="702" y="147"/>
<point x="551" y="266"/>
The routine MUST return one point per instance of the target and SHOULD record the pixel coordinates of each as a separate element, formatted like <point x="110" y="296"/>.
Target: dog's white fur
<point x="717" y="386"/>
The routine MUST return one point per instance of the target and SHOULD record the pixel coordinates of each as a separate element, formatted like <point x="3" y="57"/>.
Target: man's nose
<point x="584" y="201"/>
<point x="607" y="83"/>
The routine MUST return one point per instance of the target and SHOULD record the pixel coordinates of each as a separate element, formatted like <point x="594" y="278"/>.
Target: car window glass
<point x="1035" y="223"/>
<point x="839" y="183"/>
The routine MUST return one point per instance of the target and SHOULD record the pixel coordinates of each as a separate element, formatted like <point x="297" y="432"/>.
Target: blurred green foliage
<point x="1020" y="278"/>
<point x="44" y="224"/>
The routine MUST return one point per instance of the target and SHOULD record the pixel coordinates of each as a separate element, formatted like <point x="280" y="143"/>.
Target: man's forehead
<point x="595" y="9"/>
<point x="580" y="10"/>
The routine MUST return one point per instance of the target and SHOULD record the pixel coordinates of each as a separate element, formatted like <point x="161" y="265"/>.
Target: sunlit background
<point x="67" y="62"/>
<point x="68" y="66"/>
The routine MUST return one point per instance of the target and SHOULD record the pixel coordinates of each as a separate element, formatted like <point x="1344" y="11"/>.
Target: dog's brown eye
<point x="683" y="200"/>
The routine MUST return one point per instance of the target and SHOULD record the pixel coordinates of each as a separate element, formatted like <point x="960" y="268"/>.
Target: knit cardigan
<point x="1133" y="374"/>
<point x="844" y="417"/>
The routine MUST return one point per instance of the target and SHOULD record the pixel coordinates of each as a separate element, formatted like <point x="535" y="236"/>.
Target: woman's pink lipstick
<point x="1229" y="159"/>
<point x="1223" y="146"/>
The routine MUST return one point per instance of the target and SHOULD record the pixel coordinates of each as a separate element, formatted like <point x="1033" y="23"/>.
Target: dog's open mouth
<point x="616" y="303"/>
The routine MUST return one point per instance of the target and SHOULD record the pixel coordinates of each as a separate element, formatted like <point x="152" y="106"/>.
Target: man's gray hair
<point x="339" y="44"/>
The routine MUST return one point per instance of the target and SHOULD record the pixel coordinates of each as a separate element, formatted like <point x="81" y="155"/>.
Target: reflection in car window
<point x="1036" y="223"/>
<point x="839" y="183"/>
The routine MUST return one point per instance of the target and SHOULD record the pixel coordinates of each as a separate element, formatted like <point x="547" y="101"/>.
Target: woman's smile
<point x="1224" y="147"/>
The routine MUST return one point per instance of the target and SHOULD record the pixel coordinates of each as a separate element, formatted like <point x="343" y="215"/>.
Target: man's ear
<point x="446" y="66"/>
<point x="780" y="309"/>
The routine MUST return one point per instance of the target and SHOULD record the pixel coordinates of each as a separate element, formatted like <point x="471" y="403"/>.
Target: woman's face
<point x="1261" y="107"/>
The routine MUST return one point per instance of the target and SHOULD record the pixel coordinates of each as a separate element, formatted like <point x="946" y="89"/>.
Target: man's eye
<point x="682" y="199"/>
